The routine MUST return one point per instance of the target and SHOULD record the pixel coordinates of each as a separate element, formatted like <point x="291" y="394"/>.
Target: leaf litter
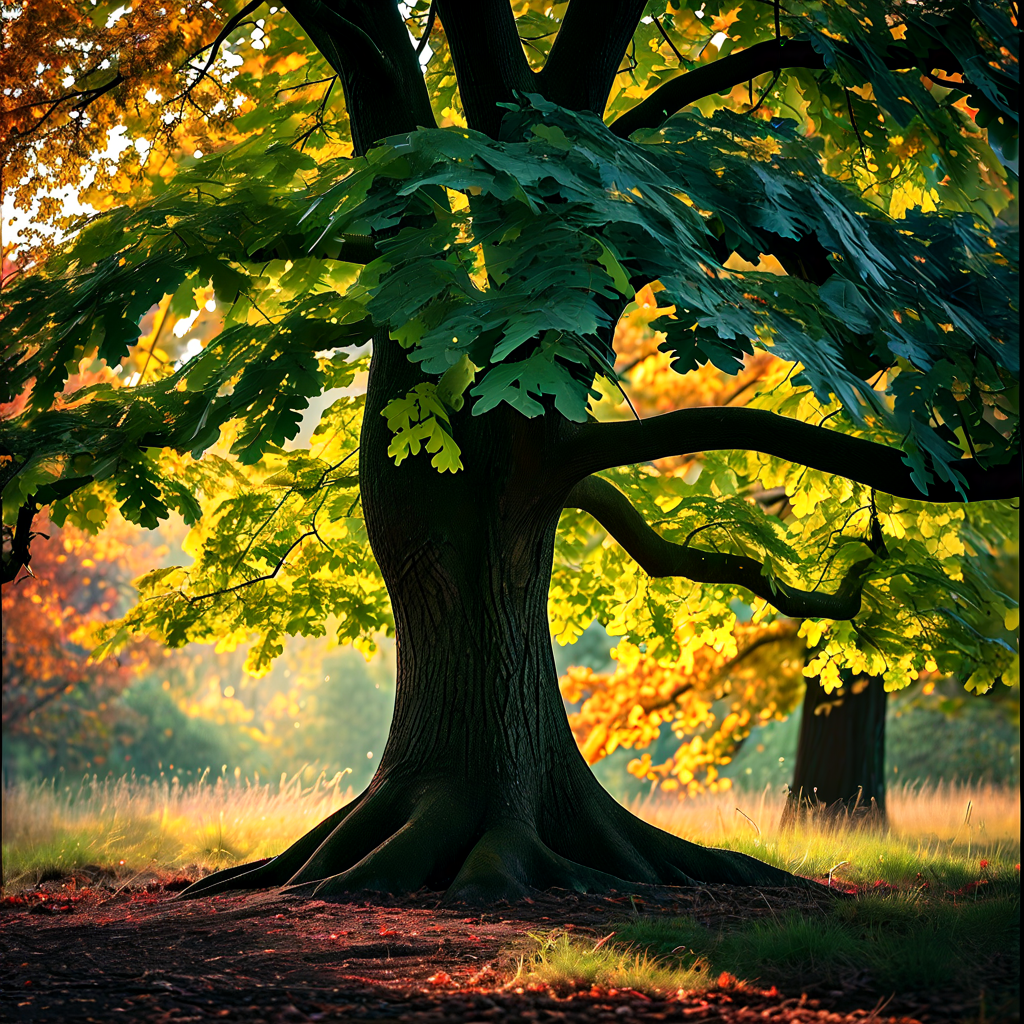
<point x="90" y="952"/>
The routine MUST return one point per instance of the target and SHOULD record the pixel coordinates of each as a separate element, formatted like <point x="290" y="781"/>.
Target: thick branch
<point x="347" y="248"/>
<point x="660" y="557"/>
<point x="489" y="61"/>
<point x="727" y="72"/>
<point x="588" y="51"/>
<point x="599" y="446"/>
<point x="369" y="46"/>
<point x="20" y="541"/>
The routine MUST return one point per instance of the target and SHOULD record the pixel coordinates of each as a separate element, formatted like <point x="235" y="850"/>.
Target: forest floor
<point x="88" y="948"/>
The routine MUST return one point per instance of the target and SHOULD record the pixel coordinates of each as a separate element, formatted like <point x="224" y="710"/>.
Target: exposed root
<point x="393" y="842"/>
<point x="509" y="862"/>
<point x="275" y="871"/>
<point x="417" y="854"/>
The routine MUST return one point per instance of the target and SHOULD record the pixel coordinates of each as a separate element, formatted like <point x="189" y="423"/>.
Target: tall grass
<point x="937" y="833"/>
<point x="132" y="826"/>
<point x="940" y="833"/>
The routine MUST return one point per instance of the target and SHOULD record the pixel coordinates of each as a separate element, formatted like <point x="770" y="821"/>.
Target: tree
<point x="51" y="616"/>
<point x="489" y="264"/>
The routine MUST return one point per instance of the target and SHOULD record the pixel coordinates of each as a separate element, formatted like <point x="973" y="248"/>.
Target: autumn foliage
<point x="51" y="616"/>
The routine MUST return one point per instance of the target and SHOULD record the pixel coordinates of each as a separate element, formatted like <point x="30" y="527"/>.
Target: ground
<point x="79" y="950"/>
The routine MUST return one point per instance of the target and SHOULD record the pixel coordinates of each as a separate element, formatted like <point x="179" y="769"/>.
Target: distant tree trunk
<point x="840" y="758"/>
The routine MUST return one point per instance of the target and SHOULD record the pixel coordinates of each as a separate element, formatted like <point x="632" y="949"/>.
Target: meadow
<point x="949" y="835"/>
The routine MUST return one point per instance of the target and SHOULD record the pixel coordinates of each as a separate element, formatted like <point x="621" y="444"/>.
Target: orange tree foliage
<point x="106" y="102"/>
<point x="51" y="616"/>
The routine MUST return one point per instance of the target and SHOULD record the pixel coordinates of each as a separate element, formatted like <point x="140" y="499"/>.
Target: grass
<point x="895" y="942"/>
<point x="130" y="826"/>
<point x="939" y="834"/>
<point x="937" y="907"/>
<point x="938" y="893"/>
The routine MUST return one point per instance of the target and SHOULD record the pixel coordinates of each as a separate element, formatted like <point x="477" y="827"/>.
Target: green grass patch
<point x="892" y="941"/>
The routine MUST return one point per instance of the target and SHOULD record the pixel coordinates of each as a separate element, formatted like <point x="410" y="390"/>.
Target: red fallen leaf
<point x="384" y="930"/>
<point x="536" y="986"/>
<point x="441" y="978"/>
<point x="474" y="938"/>
<point x="726" y="980"/>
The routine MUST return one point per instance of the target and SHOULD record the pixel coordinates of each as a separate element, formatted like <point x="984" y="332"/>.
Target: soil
<point x="102" y="953"/>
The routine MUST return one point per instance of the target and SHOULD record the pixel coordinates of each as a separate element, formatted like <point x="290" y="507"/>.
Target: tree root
<point x="389" y="842"/>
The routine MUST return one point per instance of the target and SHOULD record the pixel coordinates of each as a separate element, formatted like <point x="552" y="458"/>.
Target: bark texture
<point x="840" y="758"/>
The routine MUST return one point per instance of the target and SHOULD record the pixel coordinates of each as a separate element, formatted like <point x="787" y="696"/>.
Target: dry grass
<point x="137" y="826"/>
<point x="937" y="832"/>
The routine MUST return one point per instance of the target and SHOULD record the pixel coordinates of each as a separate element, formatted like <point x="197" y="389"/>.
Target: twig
<point x="431" y="17"/>
<point x="672" y="46"/>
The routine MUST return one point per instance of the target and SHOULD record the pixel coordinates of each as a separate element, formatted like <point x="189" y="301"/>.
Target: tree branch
<point x="727" y="72"/>
<point x="597" y="446"/>
<point x="19" y="541"/>
<point x="229" y="26"/>
<point x="490" y="64"/>
<point x="587" y="52"/>
<point x="659" y="557"/>
<point x="347" y="248"/>
<point x="368" y="44"/>
<point x="785" y="629"/>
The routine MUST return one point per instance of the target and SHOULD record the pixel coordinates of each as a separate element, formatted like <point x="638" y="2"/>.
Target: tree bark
<point x="840" y="759"/>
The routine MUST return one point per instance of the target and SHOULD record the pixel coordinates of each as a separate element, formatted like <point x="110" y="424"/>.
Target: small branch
<point x="671" y="45"/>
<point x="229" y="26"/>
<point x="783" y="630"/>
<point x="84" y="96"/>
<point x="771" y="85"/>
<point x="259" y="579"/>
<point x="431" y="18"/>
<point x="659" y="557"/>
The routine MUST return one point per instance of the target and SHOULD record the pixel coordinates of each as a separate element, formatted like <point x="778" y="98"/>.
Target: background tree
<point x="714" y="697"/>
<point x="489" y="264"/>
<point x="52" y="693"/>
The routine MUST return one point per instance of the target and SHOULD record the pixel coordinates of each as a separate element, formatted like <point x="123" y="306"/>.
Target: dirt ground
<point x="74" y="952"/>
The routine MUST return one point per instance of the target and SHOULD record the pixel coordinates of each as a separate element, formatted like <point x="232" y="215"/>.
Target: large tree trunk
<point x="481" y="790"/>
<point x="840" y="758"/>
